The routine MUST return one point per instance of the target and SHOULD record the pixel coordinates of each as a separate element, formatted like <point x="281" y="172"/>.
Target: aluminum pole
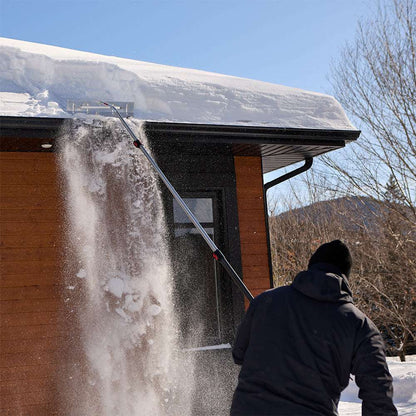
<point x="217" y="254"/>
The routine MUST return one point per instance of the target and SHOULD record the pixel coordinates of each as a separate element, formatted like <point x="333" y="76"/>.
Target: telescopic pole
<point x="217" y="254"/>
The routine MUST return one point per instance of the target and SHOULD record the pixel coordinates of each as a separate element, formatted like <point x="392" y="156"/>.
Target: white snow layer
<point x="38" y="80"/>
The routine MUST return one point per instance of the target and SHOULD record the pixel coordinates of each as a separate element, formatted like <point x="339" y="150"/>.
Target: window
<point x="202" y="208"/>
<point x="196" y="272"/>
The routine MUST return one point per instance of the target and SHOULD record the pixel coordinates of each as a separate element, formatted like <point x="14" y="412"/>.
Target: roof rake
<point x="125" y="108"/>
<point x="217" y="254"/>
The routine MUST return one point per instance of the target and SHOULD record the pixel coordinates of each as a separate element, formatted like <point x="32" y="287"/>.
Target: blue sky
<point x="290" y="42"/>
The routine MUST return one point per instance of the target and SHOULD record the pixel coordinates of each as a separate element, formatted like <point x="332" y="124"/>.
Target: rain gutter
<point x="269" y="185"/>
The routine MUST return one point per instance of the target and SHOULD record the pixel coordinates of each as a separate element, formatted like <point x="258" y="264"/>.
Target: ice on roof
<point x="38" y="80"/>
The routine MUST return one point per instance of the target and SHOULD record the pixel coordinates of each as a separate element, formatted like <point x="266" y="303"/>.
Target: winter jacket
<point x="298" y="345"/>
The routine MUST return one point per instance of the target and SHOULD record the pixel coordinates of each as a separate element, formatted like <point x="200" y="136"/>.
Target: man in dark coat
<point x="298" y="345"/>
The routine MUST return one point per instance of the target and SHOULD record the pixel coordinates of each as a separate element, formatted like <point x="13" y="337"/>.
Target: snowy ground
<point x="404" y="375"/>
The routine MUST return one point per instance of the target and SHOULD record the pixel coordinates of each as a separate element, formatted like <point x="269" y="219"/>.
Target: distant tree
<point x="393" y="193"/>
<point x="375" y="81"/>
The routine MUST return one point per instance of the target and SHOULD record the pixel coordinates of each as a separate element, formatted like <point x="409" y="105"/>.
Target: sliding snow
<point x="126" y="360"/>
<point x="38" y="80"/>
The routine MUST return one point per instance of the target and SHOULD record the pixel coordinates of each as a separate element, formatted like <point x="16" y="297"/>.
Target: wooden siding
<point x="252" y="225"/>
<point x="30" y="332"/>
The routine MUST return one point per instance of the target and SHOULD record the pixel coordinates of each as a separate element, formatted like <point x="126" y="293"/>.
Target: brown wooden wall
<point x="251" y="215"/>
<point x="29" y="283"/>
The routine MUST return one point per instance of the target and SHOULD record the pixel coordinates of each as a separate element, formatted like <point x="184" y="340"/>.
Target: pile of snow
<point x="38" y="80"/>
<point x="404" y="383"/>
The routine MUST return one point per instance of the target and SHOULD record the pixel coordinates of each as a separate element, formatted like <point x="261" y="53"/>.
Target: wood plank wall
<point x="253" y="239"/>
<point x="29" y="283"/>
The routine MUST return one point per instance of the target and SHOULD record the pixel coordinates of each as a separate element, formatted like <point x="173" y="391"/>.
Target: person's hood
<point x="323" y="282"/>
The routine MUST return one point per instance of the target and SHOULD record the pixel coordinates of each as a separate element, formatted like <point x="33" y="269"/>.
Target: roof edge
<point x="247" y="131"/>
<point x="17" y="128"/>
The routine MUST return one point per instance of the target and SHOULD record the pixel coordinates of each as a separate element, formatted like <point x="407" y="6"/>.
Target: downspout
<point x="271" y="184"/>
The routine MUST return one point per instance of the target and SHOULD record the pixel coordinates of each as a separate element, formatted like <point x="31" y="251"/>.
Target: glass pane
<point x="200" y="207"/>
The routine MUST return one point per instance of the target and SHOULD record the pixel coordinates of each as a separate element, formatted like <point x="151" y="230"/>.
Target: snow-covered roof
<point x="38" y="80"/>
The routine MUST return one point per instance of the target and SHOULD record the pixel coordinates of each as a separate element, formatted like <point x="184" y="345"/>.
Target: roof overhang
<point x="278" y="147"/>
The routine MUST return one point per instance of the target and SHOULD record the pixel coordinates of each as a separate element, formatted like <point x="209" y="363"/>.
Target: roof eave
<point x="243" y="133"/>
<point x="278" y="146"/>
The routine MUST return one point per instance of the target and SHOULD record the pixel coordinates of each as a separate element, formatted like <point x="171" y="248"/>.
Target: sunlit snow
<point x="38" y="80"/>
<point x="404" y="384"/>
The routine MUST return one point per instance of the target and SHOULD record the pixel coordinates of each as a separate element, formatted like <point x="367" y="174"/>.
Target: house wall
<point x="32" y="332"/>
<point x="29" y="283"/>
<point x="252" y="223"/>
